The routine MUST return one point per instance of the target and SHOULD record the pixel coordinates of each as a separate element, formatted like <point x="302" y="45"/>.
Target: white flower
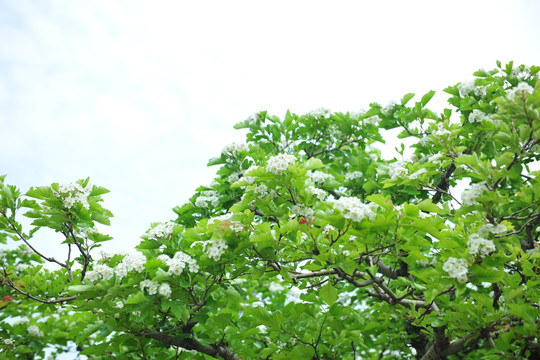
<point x="119" y="305"/>
<point x="275" y="287"/>
<point x="388" y="108"/>
<point x="165" y="290"/>
<point x="301" y="210"/>
<point x="279" y="163"/>
<point x="434" y="158"/>
<point x="215" y="248"/>
<point x="397" y="170"/>
<point x="293" y="295"/>
<point x="479" y="245"/>
<point x="234" y="148"/>
<point x="226" y="221"/>
<point x="207" y="200"/>
<point x="318" y="177"/>
<point x="150" y="286"/>
<point x="372" y="120"/>
<point x="320" y="112"/>
<point x="480" y="91"/>
<point x="417" y="173"/>
<point x="134" y="262"/>
<point x="162" y="230"/>
<point x="319" y="193"/>
<point x="120" y="271"/>
<point x="234" y="176"/>
<point x="522" y="88"/>
<point x="521" y="72"/>
<point x="441" y="131"/>
<point x="354" y="209"/>
<point x="491" y="229"/>
<point x="73" y="194"/>
<point x="34" y="331"/>
<point x="328" y="228"/>
<point x="354" y="175"/>
<point x="21" y="320"/>
<point x="261" y="190"/>
<point x="178" y="263"/>
<point x="479" y="116"/>
<point x="100" y="271"/>
<point x="469" y="195"/>
<point x="456" y="268"/>
<point x="465" y="88"/>
<point x="9" y="342"/>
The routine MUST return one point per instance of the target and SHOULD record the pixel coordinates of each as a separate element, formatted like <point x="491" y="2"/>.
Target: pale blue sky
<point x="138" y="95"/>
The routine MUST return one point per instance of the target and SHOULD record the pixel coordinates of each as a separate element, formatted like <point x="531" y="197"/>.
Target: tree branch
<point x="216" y="351"/>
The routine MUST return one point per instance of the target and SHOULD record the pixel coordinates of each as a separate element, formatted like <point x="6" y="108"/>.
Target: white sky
<point x="138" y="95"/>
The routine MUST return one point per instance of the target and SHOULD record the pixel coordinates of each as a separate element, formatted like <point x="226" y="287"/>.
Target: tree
<point x="309" y="244"/>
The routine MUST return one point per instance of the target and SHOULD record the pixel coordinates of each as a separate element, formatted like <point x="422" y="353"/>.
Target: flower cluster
<point x="279" y="163"/>
<point x="73" y="194"/>
<point x="165" y="290"/>
<point x="320" y="112"/>
<point x="226" y="222"/>
<point x="178" y="263"/>
<point x="301" y="210"/>
<point x="207" y="200"/>
<point x="162" y="230"/>
<point x="150" y="286"/>
<point x="233" y="148"/>
<point x="372" y="120"/>
<point x="479" y="116"/>
<point x="130" y="262"/>
<point x="397" y="170"/>
<point x="468" y="87"/>
<point x="521" y="72"/>
<point x="474" y="191"/>
<point x="480" y="246"/>
<point x="353" y="176"/>
<point x="456" y="268"/>
<point x="153" y="287"/>
<point x="261" y="190"/>
<point x="249" y="179"/>
<point x="318" y="177"/>
<point x="33" y="330"/>
<point x="521" y="89"/>
<point x="215" y="248"/>
<point x="441" y="131"/>
<point x="20" y="321"/>
<point x="354" y="209"/>
<point x="491" y="229"/>
<point x="100" y="271"/>
<point x="416" y="174"/>
<point x="390" y="107"/>
<point x="319" y="193"/>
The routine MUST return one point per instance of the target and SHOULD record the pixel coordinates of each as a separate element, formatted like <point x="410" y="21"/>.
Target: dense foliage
<point x="309" y="244"/>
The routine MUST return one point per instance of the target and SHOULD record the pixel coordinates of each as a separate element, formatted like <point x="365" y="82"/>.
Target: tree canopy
<point x="312" y="242"/>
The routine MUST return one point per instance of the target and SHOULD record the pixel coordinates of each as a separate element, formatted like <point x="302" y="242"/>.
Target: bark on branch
<point x="216" y="351"/>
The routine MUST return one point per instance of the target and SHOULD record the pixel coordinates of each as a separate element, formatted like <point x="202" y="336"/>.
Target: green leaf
<point x="328" y="293"/>
<point x="216" y="161"/>
<point x="405" y="99"/>
<point x="425" y="99"/>
<point x="136" y="298"/>
<point x="428" y="206"/>
<point x="484" y="274"/>
<point x="313" y="164"/>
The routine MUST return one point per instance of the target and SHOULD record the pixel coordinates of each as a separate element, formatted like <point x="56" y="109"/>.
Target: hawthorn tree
<point x="309" y="244"/>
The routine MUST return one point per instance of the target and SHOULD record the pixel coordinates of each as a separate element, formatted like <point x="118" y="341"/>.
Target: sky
<point x="138" y="95"/>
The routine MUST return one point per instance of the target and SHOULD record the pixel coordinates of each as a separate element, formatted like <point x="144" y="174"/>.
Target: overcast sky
<point x="138" y="95"/>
